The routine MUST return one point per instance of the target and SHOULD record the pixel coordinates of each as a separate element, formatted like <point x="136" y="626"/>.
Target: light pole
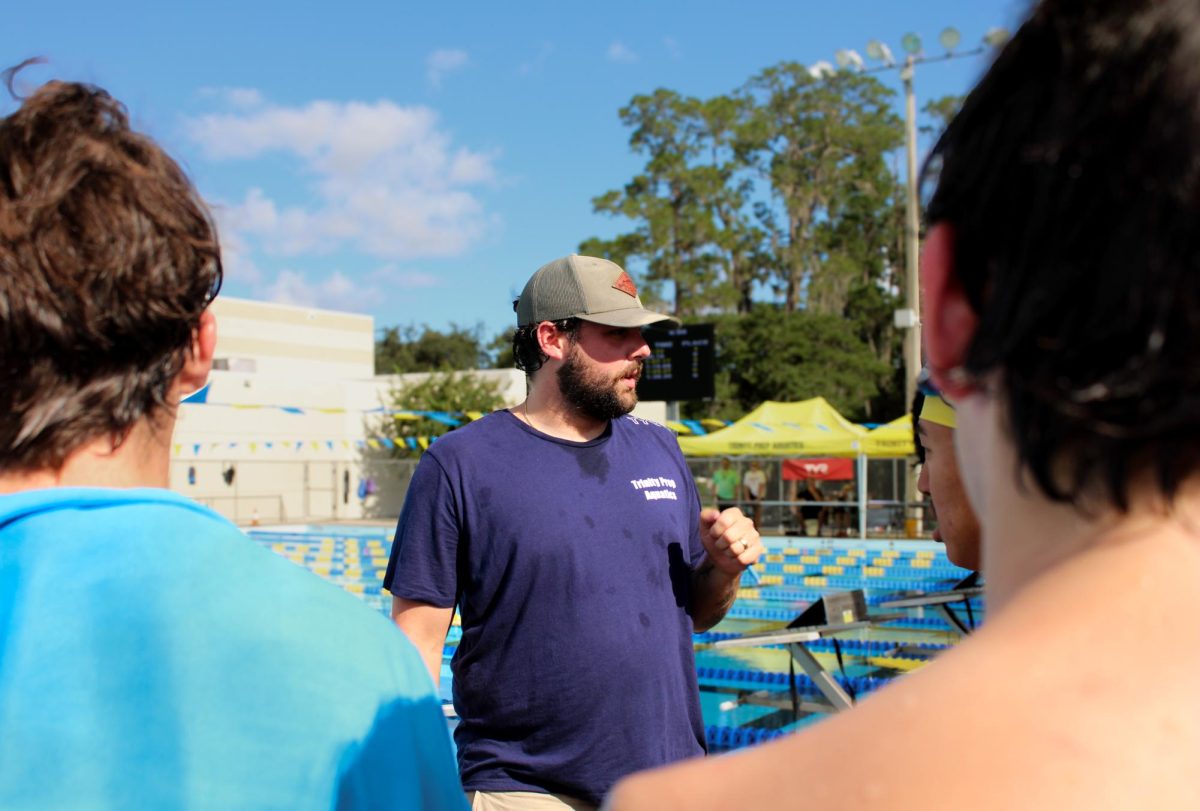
<point x="909" y="317"/>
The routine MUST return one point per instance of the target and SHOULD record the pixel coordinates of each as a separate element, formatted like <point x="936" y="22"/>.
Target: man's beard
<point x="592" y="392"/>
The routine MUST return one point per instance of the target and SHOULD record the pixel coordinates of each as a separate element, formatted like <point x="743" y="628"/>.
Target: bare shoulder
<point x="1004" y="719"/>
<point x="883" y="753"/>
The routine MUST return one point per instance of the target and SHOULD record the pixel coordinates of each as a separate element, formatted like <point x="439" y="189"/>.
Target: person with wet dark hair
<point x="151" y="655"/>
<point x="1061" y="276"/>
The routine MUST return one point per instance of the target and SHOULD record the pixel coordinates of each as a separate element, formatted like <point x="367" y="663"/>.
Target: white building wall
<point x="290" y="413"/>
<point x="282" y="340"/>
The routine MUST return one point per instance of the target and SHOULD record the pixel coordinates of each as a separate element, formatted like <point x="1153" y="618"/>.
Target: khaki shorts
<point x="523" y="801"/>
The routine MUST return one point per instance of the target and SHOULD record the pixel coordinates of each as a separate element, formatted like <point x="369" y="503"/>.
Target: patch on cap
<point x="625" y="284"/>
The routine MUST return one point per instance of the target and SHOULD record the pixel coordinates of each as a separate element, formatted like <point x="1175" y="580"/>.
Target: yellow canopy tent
<point x="807" y="428"/>
<point x="894" y="439"/>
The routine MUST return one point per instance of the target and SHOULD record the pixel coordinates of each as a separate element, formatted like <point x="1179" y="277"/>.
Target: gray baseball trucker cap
<point x="584" y="287"/>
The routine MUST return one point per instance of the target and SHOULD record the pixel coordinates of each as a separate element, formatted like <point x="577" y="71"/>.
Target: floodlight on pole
<point x="821" y="70"/>
<point x="996" y="37"/>
<point x="949" y="39"/>
<point x="848" y="59"/>
<point x="878" y="51"/>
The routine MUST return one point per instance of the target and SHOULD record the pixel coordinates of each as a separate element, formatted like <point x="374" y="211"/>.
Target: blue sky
<point x="418" y="162"/>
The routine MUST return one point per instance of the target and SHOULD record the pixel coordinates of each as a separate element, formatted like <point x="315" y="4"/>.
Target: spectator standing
<point x="754" y="485"/>
<point x="725" y="482"/>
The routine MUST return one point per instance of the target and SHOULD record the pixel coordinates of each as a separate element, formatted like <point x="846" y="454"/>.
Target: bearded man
<point x="570" y="536"/>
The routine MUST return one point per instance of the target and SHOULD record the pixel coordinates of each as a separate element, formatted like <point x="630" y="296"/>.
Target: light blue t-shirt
<point x="153" y="656"/>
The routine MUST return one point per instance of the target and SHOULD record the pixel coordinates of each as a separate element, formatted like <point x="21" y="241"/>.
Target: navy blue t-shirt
<point x="571" y="564"/>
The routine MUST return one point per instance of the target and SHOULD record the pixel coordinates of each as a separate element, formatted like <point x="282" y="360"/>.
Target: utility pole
<point x="911" y="315"/>
<point x="908" y="318"/>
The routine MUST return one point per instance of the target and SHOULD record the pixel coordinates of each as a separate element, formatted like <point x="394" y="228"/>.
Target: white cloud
<point x="337" y="291"/>
<point x="444" y="61"/>
<point x="392" y="276"/>
<point x="243" y="98"/>
<point x="386" y="180"/>
<point x="239" y="267"/>
<point x="673" y="47"/>
<point x="535" y="65"/>
<point x="334" y="292"/>
<point x="620" y="52"/>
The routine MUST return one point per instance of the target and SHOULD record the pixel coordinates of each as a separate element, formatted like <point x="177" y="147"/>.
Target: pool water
<point x="746" y="693"/>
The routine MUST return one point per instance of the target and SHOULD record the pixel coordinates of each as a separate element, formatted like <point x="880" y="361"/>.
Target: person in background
<point x="581" y="574"/>
<point x="754" y="486"/>
<point x="1061" y="279"/>
<point x="725" y="481"/>
<point x="957" y="525"/>
<point x="151" y="655"/>
<point x="816" y="512"/>
<point x="844" y="514"/>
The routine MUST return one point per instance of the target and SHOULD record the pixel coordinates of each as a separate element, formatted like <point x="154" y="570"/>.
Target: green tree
<point x="501" y="350"/>
<point x="448" y="392"/>
<point x="941" y="112"/>
<point x="686" y="204"/>
<point x="821" y="146"/>
<point x="770" y="354"/>
<point x="409" y="349"/>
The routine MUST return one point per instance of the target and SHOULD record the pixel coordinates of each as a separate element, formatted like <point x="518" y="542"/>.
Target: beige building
<point x="290" y="424"/>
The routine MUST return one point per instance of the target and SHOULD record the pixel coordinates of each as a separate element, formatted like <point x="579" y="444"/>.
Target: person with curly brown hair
<point x="151" y="655"/>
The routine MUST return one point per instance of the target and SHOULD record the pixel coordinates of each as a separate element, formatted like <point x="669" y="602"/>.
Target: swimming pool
<point x="746" y="693"/>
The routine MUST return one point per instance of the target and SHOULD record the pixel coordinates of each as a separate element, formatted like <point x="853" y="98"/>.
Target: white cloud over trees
<point x="378" y="179"/>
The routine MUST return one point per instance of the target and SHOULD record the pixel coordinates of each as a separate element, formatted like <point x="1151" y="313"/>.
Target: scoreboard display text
<point x="680" y="366"/>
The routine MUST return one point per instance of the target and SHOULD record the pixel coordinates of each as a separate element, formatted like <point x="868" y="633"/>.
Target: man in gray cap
<point x="571" y="538"/>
